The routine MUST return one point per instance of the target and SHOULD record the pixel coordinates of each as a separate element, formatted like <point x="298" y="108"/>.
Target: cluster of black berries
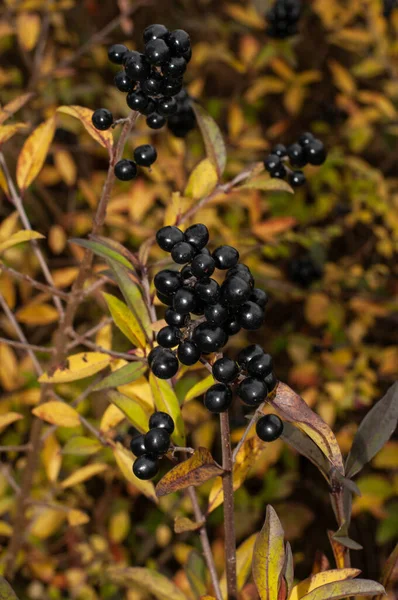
<point x="153" y="445"/>
<point x="184" y="120"/>
<point x="251" y="375"/>
<point x="283" y="18"/>
<point x="388" y="7"/>
<point x="304" y="271"/>
<point x="222" y="310"/>
<point x="308" y="150"/>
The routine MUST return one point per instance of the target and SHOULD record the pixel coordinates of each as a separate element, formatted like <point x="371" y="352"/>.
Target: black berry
<point x="116" y="53"/>
<point x="155" y="31"/>
<point x="225" y="257"/>
<point x="153" y="354"/>
<point x="260" y="365"/>
<point x="235" y="291"/>
<point x="157" y="441"/>
<point x="157" y="52"/>
<point x="164" y="365"/>
<point x="297" y="155"/>
<point x="145" y="155"/>
<point x="176" y="319"/>
<point x="165" y="298"/>
<point x="167" y="281"/>
<point x="272" y="163"/>
<point x="252" y="391"/>
<point x="243" y="272"/>
<point x="259" y="297"/>
<point x="209" y="339"/>
<point x="216" y="314"/>
<point x="297" y="178"/>
<point x="145" y="467"/>
<point x="183" y="252"/>
<point x="137" y="445"/>
<point x="188" y="353"/>
<point x="203" y="265"/>
<point x="225" y="370"/>
<point x="218" y="398"/>
<point x="251" y="316"/>
<point x="232" y="326"/>
<point x="152" y="85"/>
<point x="315" y="152"/>
<point x="150" y="108"/>
<point x="171" y="86"/>
<point x="207" y="290"/>
<point x="168" y="337"/>
<point x="246" y="355"/>
<point x="161" y="420"/>
<point x="176" y="67"/>
<point x="155" y="121"/>
<point x="269" y="428"/>
<point x="197" y="235"/>
<point x="186" y="272"/>
<point x="102" y="119"/>
<point x="137" y="66"/>
<point x="125" y="170"/>
<point x="123" y="82"/>
<point x="184" y="300"/>
<point x="167" y="237"/>
<point x="136" y="100"/>
<point x="178" y="42"/>
<point x="306" y="138"/>
<point x="279" y="150"/>
<point x="270" y="381"/>
<point x="167" y="106"/>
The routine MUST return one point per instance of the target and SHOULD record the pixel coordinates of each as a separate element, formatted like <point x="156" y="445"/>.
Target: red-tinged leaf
<point x="374" y="431"/>
<point x="269" y="557"/>
<point x="105" y="138"/>
<point x="293" y="409"/>
<point x="213" y="139"/>
<point x="342" y="589"/>
<point x="200" y="467"/>
<point x="267" y="230"/>
<point x="122" y="376"/>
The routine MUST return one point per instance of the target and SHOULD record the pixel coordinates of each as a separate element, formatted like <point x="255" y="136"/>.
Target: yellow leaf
<point x="202" y="180"/>
<point x="57" y="413"/>
<point x="269" y="84"/>
<point x="311" y="583"/>
<point x="105" y="138"/>
<point x="51" y="457"/>
<point x="57" y="241"/>
<point x="247" y="15"/>
<point x="183" y="524"/>
<point x="199" y="388"/>
<point x="83" y="474"/>
<point x="66" y="166"/>
<point x="167" y="401"/>
<point x="342" y="78"/>
<point x="124" y="460"/>
<point x="111" y="417"/>
<point x="267" y="184"/>
<point x="5" y="529"/>
<point x="9" y="374"/>
<point x="119" y="526"/>
<point x="342" y="589"/>
<point x="316" y="308"/>
<point x="244" y="557"/>
<point x="269" y="557"/>
<point x="7" y="131"/>
<point x="19" y="237"/>
<point x="12" y="107"/>
<point x="34" y="152"/>
<point x="131" y="409"/>
<point x="81" y="446"/>
<point x="28" y="30"/>
<point x="78" y="366"/>
<point x="37" y="314"/>
<point x="9" y="418"/>
<point x="197" y="469"/>
<point x="294" y="98"/>
<point x="47" y="522"/>
<point x="125" y="320"/>
<point x="148" y="580"/>
<point x="77" y="517"/>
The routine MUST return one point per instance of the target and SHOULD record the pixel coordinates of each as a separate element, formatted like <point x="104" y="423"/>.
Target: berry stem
<point x="229" y="519"/>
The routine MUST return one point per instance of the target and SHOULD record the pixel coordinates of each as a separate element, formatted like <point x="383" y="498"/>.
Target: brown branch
<point x="82" y="338"/>
<point x="113" y="353"/>
<point x="48" y="289"/>
<point x="26" y="346"/>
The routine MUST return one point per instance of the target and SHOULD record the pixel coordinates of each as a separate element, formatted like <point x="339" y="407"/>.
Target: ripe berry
<point x="251" y="316"/>
<point x="157" y="52"/>
<point x="203" y="265"/>
<point x="167" y="106"/>
<point x="218" y="398"/>
<point x="145" y="155"/>
<point x="188" y="55"/>
<point x="279" y="150"/>
<point x="188" y="353"/>
<point x="161" y="420"/>
<point x="145" y="467"/>
<point x="123" y="83"/>
<point x="116" y="53"/>
<point x="176" y="319"/>
<point x="125" y="170"/>
<point x="183" y="253"/>
<point x="153" y="84"/>
<point x="157" y="441"/>
<point x="279" y="173"/>
<point x="225" y="370"/>
<point x="171" y="86"/>
<point x="155" y="31"/>
<point x="167" y="281"/>
<point x="252" y="391"/>
<point x="315" y="152"/>
<point x="164" y="365"/>
<point x="168" y="337"/>
<point x="137" y="445"/>
<point x="216" y="314"/>
<point x="260" y="365"/>
<point x="270" y="381"/>
<point x="179" y="42"/>
<point x="155" y="121"/>
<point x="102" y="119"/>
<point x="175" y="68"/>
<point x="297" y="155"/>
<point x="150" y="107"/>
<point x="272" y="163"/>
<point x="232" y="326"/>
<point x="137" y="66"/>
<point x="246" y="355"/>
<point x="167" y="237"/>
<point x="225" y="257"/>
<point x="197" y="235"/>
<point x="235" y="291"/>
<point x="166" y="299"/>
<point x="297" y="178"/>
<point x="153" y="354"/>
<point x="207" y="290"/>
<point x="209" y="339"/>
<point x="184" y="300"/>
<point x="243" y="272"/>
<point x="136" y="100"/>
<point x="186" y="272"/>
<point x="306" y="138"/>
<point x="269" y="428"/>
<point x="259" y="297"/>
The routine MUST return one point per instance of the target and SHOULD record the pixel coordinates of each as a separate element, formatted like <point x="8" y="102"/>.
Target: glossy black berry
<point x="272" y="163"/>
<point x="315" y="152"/>
<point x="102" y="119"/>
<point x="145" y="155"/>
<point x="171" y="86"/>
<point x="243" y="272"/>
<point x="259" y="297"/>
<point x="155" y="352"/>
<point x="183" y="252"/>
<point x="270" y="381"/>
<point x="207" y="290"/>
<point x="178" y="42"/>
<point x="188" y="55"/>
<point x="166" y="299"/>
<point x="152" y="85"/>
<point x="225" y="257"/>
<point x="123" y="82"/>
<point x="167" y="106"/>
<point x="157" y="52"/>
<point x="125" y="169"/>
<point x="232" y="326"/>
<point x="216" y="314"/>
<point x="246" y="355"/>
<point x="168" y="281"/>
<point x="279" y="150"/>
<point x="137" y="66"/>
<point x="297" y="178"/>
<point x="279" y="173"/>
<point x="167" y="237"/>
<point x="209" y="339"/>
<point x="164" y="365"/>
<point x="157" y="441"/>
<point x="188" y="353"/>
<point x="161" y="420"/>
<point x="186" y="272"/>
<point x="252" y="391"/>
<point x="197" y="235"/>
<point x="184" y="300"/>
<point x="297" y="155"/>
<point x="155" y="121"/>
<point x="137" y="445"/>
<point x="306" y="138"/>
<point x="218" y="398"/>
<point x="137" y="100"/>
<point x="176" y="319"/>
<point x="235" y="291"/>
<point x="145" y="467"/>
<point x="225" y="370"/>
<point x="168" y="337"/>
<point x="269" y="428"/>
<point x="203" y="265"/>
<point x="116" y="53"/>
<point x="175" y="68"/>
<point x="251" y="316"/>
<point x="260" y="366"/>
<point x="155" y="31"/>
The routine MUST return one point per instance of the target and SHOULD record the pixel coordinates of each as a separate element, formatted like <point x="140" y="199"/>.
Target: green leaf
<point x="122" y="376"/>
<point x="213" y="139"/>
<point x="374" y="431"/>
<point x="166" y="401"/>
<point x="125" y="320"/>
<point x="148" y="580"/>
<point x="82" y="446"/>
<point x="133" y="411"/>
<point x="269" y="557"/>
<point x="6" y="591"/>
<point x="103" y="251"/>
<point x="342" y="589"/>
<point x="288" y="569"/>
<point x="199" y="388"/>
<point x="195" y="570"/>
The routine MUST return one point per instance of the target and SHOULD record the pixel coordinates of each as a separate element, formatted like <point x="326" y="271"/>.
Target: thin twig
<point x="98" y="348"/>
<point x="81" y="338"/>
<point x="5" y="469"/>
<point x="253" y="420"/>
<point x="26" y="346"/>
<point x="48" y="289"/>
<point x="22" y="448"/>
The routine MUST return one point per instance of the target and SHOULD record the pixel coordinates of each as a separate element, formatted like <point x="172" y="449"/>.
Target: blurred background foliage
<point x="327" y="256"/>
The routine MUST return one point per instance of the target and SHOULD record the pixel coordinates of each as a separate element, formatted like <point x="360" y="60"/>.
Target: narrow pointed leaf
<point x="166" y="400"/>
<point x="147" y="580"/>
<point x="305" y="446"/>
<point x="213" y="139"/>
<point x="6" y="591"/>
<point x="83" y="474"/>
<point x="320" y="579"/>
<point x="103" y="251"/>
<point x="288" y="569"/>
<point x="81" y="446"/>
<point x="269" y="557"/>
<point x="122" y="376"/>
<point x="197" y="469"/>
<point x="105" y="138"/>
<point x="78" y="366"/>
<point x="133" y="411"/>
<point x="33" y="154"/>
<point x="199" y="388"/>
<point x="195" y="571"/>
<point x="342" y="589"/>
<point x="19" y="237"/>
<point x="125" y="320"/>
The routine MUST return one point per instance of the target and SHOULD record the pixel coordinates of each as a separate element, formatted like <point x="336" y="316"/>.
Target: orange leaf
<point x="196" y="470"/>
<point x="267" y="230"/>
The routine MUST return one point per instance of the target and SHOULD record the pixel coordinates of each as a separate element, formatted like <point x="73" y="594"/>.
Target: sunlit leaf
<point x="77" y="517"/>
<point x="147" y="580"/>
<point x="342" y="589"/>
<point x="213" y="139"/>
<point x="197" y="469"/>
<point x="105" y="138"/>
<point x="166" y="400"/>
<point x="126" y="374"/>
<point x="125" y="320"/>
<point x="47" y="521"/>
<point x="8" y="131"/>
<point x="124" y="460"/>
<point x="202" y="180"/>
<point x="111" y="418"/>
<point x="268" y="557"/>
<point x="199" y="388"/>
<point x="57" y="413"/>
<point x="18" y="238"/>
<point x="77" y="366"/>
<point x="320" y="579"/>
<point x="12" y="107"/>
<point x="9" y="418"/>
<point x="28" y="30"/>
<point x="182" y="524"/>
<point x="37" y="314"/>
<point x="103" y="251"/>
<point x="266" y="184"/>
<point x="83" y="474"/>
<point x="34" y="152"/>
<point x="134" y="412"/>
<point x="81" y="446"/>
<point x="51" y="457"/>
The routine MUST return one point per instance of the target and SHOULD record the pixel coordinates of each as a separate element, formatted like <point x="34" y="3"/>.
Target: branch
<point x="253" y="421"/>
<point x="26" y="346"/>
<point x="48" y="289"/>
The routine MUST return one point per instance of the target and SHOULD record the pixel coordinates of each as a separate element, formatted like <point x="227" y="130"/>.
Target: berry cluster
<point x="251" y="375"/>
<point x="153" y="445"/>
<point x="304" y="271"/>
<point x="308" y="150"/>
<point x="184" y="120"/>
<point x="283" y="18"/>
<point x="222" y="309"/>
